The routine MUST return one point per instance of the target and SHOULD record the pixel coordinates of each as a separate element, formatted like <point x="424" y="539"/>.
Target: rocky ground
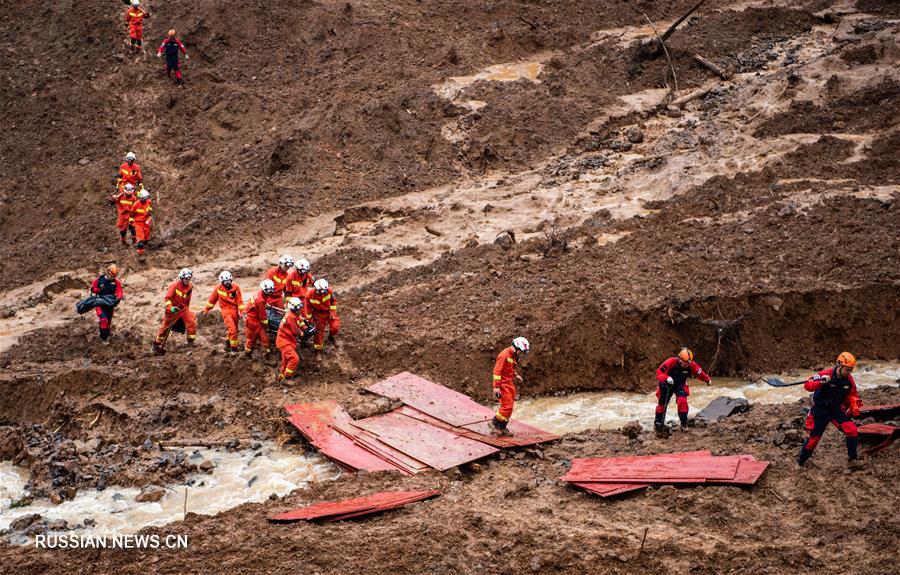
<point x="577" y="205"/>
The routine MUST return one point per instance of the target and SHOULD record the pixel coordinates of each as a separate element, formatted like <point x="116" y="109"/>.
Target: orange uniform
<point x="125" y="206"/>
<point x="256" y="320"/>
<point x="323" y="309"/>
<point x="505" y="381"/>
<point x="232" y="305"/>
<point x="177" y="306"/>
<point x="141" y="219"/>
<point x="292" y="327"/>
<point x="129" y="174"/>
<point x="134" y="16"/>
<point x="299" y="283"/>
<point x="280" y="279"/>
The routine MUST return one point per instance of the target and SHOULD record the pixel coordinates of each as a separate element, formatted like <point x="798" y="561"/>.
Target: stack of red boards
<point x="881" y="412"/>
<point x="356" y="507"/>
<point x="880" y="434"/>
<point x="436" y="428"/>
<point x="608" y="476"/>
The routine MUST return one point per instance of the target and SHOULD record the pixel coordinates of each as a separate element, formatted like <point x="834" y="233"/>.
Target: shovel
<point x="775" y="382"/>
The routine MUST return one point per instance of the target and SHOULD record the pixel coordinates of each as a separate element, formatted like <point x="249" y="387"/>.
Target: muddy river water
<point x="250" y="476"/>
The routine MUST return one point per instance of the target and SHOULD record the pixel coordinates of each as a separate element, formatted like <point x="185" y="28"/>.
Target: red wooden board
<point x="748" y="472"/>
<point x="314" y="422"/>
<point x="524" y="434"/>
<point x="668" y="468"/>
<point x="436" y="400"/>
<point x="879" y="411"/>
<point x="878" y="429"/>
<point x="436" y="447"/>
<point x="370" y="442"/>
<point x="610" y="489"/>
<point x="336" y="510"/>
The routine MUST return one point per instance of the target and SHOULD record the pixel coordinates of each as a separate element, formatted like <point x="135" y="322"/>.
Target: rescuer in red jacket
<point x="141" y="220"/>
<point x="124" y="202"/>
<point x="171" y="46"/>
<point x="322" y="303"/>
<point x="279" y="275"/>
<point x="231" y="303"/>
<point x="177" y="307"/>
<point x="835" y="400"/>
<point x="129" y="173"/>
<point x="134" y="17"/>
<point x="671" y="378"/>
<point x="256" y="319"/>
<point x="504" y="384"/>
<point x="107" y="284"/>
<point x="293" y="327"/>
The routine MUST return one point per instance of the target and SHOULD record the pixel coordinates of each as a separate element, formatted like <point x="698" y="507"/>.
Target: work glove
<point x="186" y="57"/>
<point x="174" y="309"/>
<point x="158" y="55"/>
<point x="669" y="381"/>
<point x="519" y="378"/>
<point x="496" y="393"/>
<point x="822" y="378"/>
<point x="709" y="382"/>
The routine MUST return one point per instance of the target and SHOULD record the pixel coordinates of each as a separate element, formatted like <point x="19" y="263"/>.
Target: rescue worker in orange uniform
<point x="835" y="400"/>
<point x="322" y="304"/>
<point x="299" y="280"/>
<point x="505" y="378"/>
<point x="177" y="307"/>
<point x="671" y="379"/>
<point x="129" y="173"/>
<point x="293" y="326"/>
<point x="134" y="17"/>
<point x="256" y="319"/>
<point x="141" y="219"/>
<point x="124" y="202"/>
<point x="279" y="275"/>
<point x="107" y="285"/>
<point x="231" y="303"/>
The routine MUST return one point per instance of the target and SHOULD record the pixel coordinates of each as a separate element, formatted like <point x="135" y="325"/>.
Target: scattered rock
<point x="150" y="493"/>
<point x="722" y="407"/>
<point x="206" y="466"/>
<point x="505" y="239"/>
<point x="634" y="134"/>
<point x="24" y="522"/>
<point x="632" y="430"/>
<point x="83" y="162"/>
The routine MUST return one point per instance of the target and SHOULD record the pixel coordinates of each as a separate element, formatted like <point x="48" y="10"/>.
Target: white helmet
<point x="303" y="265"/>
<point x="321" y="285"/>
<point x="130" y="155"/>
<point x="295" y="304"/>
<point x="286" y="261"/>
<point x="129" y="188"/>
<point x="521" y="344"/>
<point x="135" y="2"/>
<point x="185" y="274"/>
<point x="225" y="276"/>
<point x="144" y="195"/>
<point x="268" y="286"/>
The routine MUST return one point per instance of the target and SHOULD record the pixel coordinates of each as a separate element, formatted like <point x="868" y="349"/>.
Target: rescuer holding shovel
<point x="671" y="378"/>
<point x="504" y="382"/>
<point x="836" y="400"/>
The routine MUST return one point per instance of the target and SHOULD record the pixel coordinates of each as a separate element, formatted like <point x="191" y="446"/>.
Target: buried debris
<point x="608" y="476"/>
<point x="436" y="428"/>
<point x="879" y="435"/>
<point x="880" y="412"/>
<point x="722" y="407"/>
<point x="347" y="508"/>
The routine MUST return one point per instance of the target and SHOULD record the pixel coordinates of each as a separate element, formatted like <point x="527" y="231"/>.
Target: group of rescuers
<point x="309" y="307"/>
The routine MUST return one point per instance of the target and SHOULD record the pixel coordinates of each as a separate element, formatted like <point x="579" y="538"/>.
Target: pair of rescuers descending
<point x="294" y="325"/>
<point x="231" y="303"/>
<point x="256" y="319"/>
<point x="835" y="400"/>
<point x="171" y="46"/>
<point x="124" y="202"/>
<point x="107" y="284"/>
<point x="671" y="378"/>
<point x="290" y="279"/>
<point x="177" y="307"/>
<point x="504" y="383"/>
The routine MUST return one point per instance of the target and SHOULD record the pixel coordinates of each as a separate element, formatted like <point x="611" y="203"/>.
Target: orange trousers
<point x="142" y="230"/>
<point x="507" y="400"/>
<point x="122" y="222"/>
<point x="289" y="361"/>
<point x="230" y="319"/>
<point x="331" y="321"/>
<point x="253" y="330"/>
<point x="190" y="325"/>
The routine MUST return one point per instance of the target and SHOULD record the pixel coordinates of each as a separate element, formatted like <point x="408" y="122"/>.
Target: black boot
<point x="682" y="418"/>
<point x="804" y="455"/>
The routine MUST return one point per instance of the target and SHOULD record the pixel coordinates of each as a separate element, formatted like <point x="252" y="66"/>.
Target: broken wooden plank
<point x="711" y="66"/>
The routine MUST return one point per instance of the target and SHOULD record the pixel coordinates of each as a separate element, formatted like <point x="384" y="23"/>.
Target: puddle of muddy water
<point x="239" y="477"/>
<point x="611" y="410"/>
<point x="453" y="86"/>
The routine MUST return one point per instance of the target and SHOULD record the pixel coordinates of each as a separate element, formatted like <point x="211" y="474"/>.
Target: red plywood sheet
<point x="879" y="410"/>
<point x="656" y="469"/>
<point x="610" y="489"/>
<point x="370" y="442"/>
<point x="748" y="472"/>
<point x="878" y="429"/>
<point x="436" y="447"/>
<point x="314" y="419"/>
<point x="586" y="464"/>
<point x="336" y="510"/>
<point x="461" y="431"/>
<point x="524" y="434"/>
<point x="436" y="400"/>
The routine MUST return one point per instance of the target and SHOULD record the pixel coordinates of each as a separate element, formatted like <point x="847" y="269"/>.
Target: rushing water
<point x="239" y="477"/>
<point x="611" y="410"/>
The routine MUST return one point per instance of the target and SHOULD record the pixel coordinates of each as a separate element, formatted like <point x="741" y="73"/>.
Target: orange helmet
<point x="846" y="359"/>
<point x="171" y="33"/>
<point x="686" y="355"/>
<point x="113" y="270"/>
